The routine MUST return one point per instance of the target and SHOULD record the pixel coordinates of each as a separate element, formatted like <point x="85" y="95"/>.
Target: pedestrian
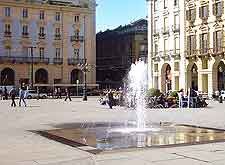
<point x="110" y="99"/>
<point x="59" y="93"/>
<point x="5" y="93"/>
<point x="12" y="93"/>
<point x="55" y="95"/>
<point x="1" y="93"/>
<point x="22" y="94"/>
<point x="38" y="93"/>
<point x="181" y="98"/>
<point x="67" y="94"/>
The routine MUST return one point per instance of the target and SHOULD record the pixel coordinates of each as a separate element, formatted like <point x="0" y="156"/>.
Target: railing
<point x="76" y="38"/>
<point x="57" y="37"/>
<point x="165" y="30"/>
<point x="75" y="61"/>
<point x="39" y="60"/>
<point x="13" y="59"/>
<point x="58" y="60"/>
<point x="25" y="35"/>
<point x="7" y="34"/>
<point x="41" y="36"/>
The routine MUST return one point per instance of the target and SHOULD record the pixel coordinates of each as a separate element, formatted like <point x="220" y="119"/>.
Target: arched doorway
<point x="166" y="82"/>
<point x="221" y="76"/>
<point x="41" y="76"/>
<point x="76" y="74"/>
<point x="7" y="77"/>
<point x="194" y="77"/>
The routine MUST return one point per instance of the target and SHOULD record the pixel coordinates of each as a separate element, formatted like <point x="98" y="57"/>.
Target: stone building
<point x="166" y="44"/>
<point x="117" y="49"/>
<point x="61" y="35"/>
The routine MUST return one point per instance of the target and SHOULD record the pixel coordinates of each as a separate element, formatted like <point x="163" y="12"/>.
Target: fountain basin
<point x="104" y="137"/>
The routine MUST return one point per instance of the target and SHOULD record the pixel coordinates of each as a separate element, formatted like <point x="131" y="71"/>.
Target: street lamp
<point x="84" y="67"/>
<point x="32" y="65"/>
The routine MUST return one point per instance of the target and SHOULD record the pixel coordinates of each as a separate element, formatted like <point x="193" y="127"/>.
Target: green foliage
<point x="153" y="92"/>
<point x="174" y="94"/>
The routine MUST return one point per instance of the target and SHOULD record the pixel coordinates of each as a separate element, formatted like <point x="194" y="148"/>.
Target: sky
<point x="113" y="13"/>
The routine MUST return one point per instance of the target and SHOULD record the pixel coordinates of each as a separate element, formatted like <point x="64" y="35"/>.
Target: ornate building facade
<point x="166" y="44"/>
<point x="205" y="45"/>
<point x="46" y="41"/>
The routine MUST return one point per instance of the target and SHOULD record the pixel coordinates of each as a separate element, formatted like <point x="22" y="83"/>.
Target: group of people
<point x="22" y="95"/>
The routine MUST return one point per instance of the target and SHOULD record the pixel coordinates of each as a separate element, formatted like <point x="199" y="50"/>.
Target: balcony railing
<point x="7" y="34"/>
<point x="75" y="61"/>
<point x="42" y="35"/>
<point x="217" y="51"/>
<point x="165" y="30"/>
<point x="58" y="61"/>
<point x="25" y="35"/>
<point x="57" y="37"/>
<point x="13" y="59"/>
<point x="39" y="60"/>
<point x="76" y="38"/>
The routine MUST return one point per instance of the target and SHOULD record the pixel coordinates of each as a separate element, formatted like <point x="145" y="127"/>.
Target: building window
<point x="204" y="63"/>
<point x="156" y="67"/>
<point x="191" y="44"/>
<point x="155" y="5"/>
<point x="203" y="12"/>
<point x="218" y="9"/>
<point x="165" y="46"/>
<point x="76" y="18"/>
<point x="42" y="30"/>
<point x="76" y="53"/>
<point x="57" y="33"/>
<point x="191" y="15"/>
<point x="217" y="41"/>
<point x="176" y="45"/>
<point x="166" y="23"/>
<point x="165" y="4"/>
<point x="25" y="30"/>
<point x="156" y="49"/>
<point x="8" y="51"/>
<point x="7" y="11"/>
<point x="176" y="66"/>
<point x="204" y="43"/>
<point x="25" y="13"/>
<point x="42" y="15"/>
<point x="57" y="16"/>
<point x="57" y="53"/>
<point x="175" y="2"/>
<point x="7" y="28"/>
<point x="177" y="84"/>
<point x="41" y="53"/>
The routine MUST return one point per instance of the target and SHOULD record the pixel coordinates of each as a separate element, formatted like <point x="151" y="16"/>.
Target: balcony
<point x="176" y="28"/>
<point x="175" y="54"/>
<point x="156" y="32"/>
<point x="76" y="38"/>
<point x="39" y="60"/>
<point x="217" y="51"/>
<point x="58" y="61"/>
<point x="57" y="37"/>
<point x="75" y="61"/>
<point x="7" y="34"/>
<point x="13" y="59"/>
<point x="191" y="54"/>
<point x="25" y="35"/>
<point x="42" y="36"/>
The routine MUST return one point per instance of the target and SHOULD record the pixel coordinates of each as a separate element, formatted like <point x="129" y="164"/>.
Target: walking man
<point x="12" y="93"/>
<point x="22" y="95"/>
<point x="68" y="94"/>
<point x="5" y="93"/>
<point x="110" y="99"/>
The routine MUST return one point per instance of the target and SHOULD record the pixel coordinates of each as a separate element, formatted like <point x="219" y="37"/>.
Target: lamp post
<point x="84" y="68"/>
<point x="32" y="65"/>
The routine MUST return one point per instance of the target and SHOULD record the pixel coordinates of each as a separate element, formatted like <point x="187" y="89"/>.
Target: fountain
<point x="107" y="136"/>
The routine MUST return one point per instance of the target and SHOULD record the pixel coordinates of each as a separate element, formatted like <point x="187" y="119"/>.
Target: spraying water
<point x="136" y="91"/>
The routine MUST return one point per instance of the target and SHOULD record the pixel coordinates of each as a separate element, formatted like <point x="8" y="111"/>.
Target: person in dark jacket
<point x="5" y="93"/>
<point x="67" y="91"/>
<point x="110" y="99"/>
<point x="12" y="93"/>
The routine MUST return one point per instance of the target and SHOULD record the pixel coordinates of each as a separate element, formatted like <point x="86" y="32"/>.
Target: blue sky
<point x="112" y="13"/>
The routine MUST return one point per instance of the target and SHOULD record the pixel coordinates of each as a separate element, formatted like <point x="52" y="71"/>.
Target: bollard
<point x="220" y="99"/>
